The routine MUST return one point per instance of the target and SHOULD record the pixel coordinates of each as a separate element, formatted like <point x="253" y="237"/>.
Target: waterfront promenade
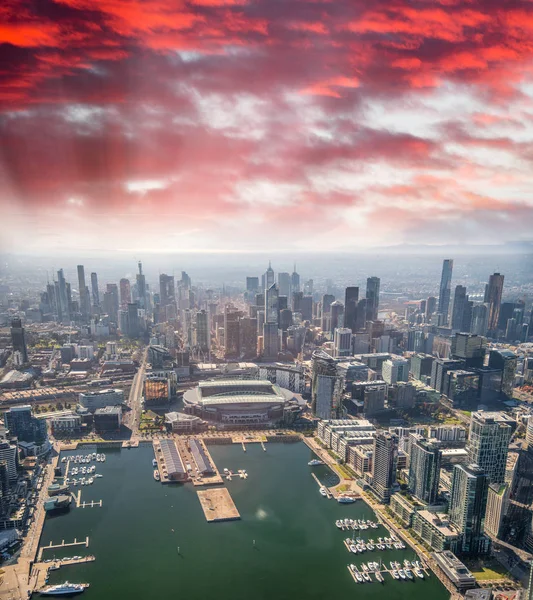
<point x="379" y="509"/>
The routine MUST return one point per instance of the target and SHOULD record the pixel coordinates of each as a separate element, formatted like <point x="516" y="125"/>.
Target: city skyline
<point x="200" y="126"/>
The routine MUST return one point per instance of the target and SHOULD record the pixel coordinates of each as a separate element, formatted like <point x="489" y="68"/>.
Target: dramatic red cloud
<point x="405" y="115"/>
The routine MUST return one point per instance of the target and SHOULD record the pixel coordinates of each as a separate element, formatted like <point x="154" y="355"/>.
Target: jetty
<point x="52" y="546"/>
<point x="321" y="485"/>
<point x="218" y="505"/>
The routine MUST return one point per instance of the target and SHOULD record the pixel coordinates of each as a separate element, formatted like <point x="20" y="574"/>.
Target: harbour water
<point x="152" y="540"/>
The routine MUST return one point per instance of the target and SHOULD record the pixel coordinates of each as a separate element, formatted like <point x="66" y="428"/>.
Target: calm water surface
<point x="298" y="552"/>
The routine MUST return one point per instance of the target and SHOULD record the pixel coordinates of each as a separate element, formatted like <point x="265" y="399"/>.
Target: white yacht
<point x="315" y="462"/>
<point x="64" y="589"/>
<point x="323" y="491"/>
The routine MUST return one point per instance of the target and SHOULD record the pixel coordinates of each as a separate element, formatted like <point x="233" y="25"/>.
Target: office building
<point x="497" y="504"/>
<point x="488" y="443"/>
<point x="268" y="279"/>
<point x="440" y="367"/>
<point x="272" y="304"/>
<point x="445" y="290"/>
<point x="395" y="369"/>
<point x="101" y="398"/>
<point x="18" y="339"/>
<point x="372" y="298"/>
<point x="336" y="315"/>
<point x="167" y="290"/>
<point x="505" y="361"/>
<point x="231" y="332"/>
<point x="295" y="281"/>
<point x="369" y="396"/>
<point x="470" y="348"/>
<point x="141" y="288"/>
<point x="351" y="299"/>
<point x="431" y="307"/>
<point x="111" y="302"/>
<point x="455" y="570"/>
<point x="63" y="304"/>
<point x="384" y="464"/>
<point x="461" y="310"/>
<point x="480" y="319"/>
<point x="424" y="468"/>
<point x="284" y="284"/>
<point x="125" y="293"/>
<point x="468" y="502"/>
<point x="271" y="341"/>
<point x="342" y="341"/>
<point x="493" y="299"/>
<point x="107" y="419"/>
<point x="252" y="285"/>
<point x="133" y="322"/>
<point x="421" y="365"/>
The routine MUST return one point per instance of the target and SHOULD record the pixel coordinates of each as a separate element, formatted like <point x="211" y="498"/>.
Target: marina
<point x="285" y="528"/>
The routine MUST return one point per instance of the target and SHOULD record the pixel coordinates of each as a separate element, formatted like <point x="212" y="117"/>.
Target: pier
<point x="188" y="459"/>
<point x="218" y="505"/>
<point x="321" y="485"/>
<point x="40" y="570"/>
<point x="91" y="504"/>
<point x="52" y="546"/>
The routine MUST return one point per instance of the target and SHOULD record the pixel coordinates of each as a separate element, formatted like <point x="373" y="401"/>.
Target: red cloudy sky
<point x="264" y="124"/>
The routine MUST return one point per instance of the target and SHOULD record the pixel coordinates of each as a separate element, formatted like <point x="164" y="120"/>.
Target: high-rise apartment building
<point x="384" y="464"/>
<point x="493" y="298"/>
<point x="337" y="315"/>
<point x="424" y="468"/>
<point x="232" y="334"/>
<point x="94" y="291"/>
<point x="18" y="339"/>
<point x="203" y="336"/>
<point x="497" y="504"/>
<point x="445" y="289"/>
<point x="431" y="306"/>
<point x="488" y="443"/>
<point x="372" y="298"/>
<point x="125" y="292"/>
<point x="351" y="298"/>
<point x="85" y="301"/>
<point x="63" y="304"/>
<point x="326" y="386"/>
<point x="468" y="502"/>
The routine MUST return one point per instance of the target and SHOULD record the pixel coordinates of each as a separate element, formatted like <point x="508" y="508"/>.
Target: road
<point x="134" y="400"/>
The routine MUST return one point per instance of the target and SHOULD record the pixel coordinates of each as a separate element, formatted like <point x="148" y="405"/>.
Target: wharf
<point x="218" y="505"/>
<point x="134" y="443"/>
<point x="160" y="462"/>
<point x="198" y="479"/>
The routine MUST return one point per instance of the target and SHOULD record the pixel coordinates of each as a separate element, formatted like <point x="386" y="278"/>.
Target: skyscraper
<point x="271" y="304"/>
<point x="134" y="328"/>
<point x="94" y="290"/>
<point x="63" y="303"/>
<point x="493" y="298"/>
<point x="125" y="292"/>
<point x="480" y="314"/>
<point x="295" y="281"/>
<point x="337" y="315"/>
<point x="424" y="468"/>
<point x="268" y="277"/>
<point x="468" y="503"/>
<point x="372" y="298"/>
<point x="111" y="302"/>
<point x="232" y="334"/>
<point x="431" y="305"/>
<point x="141" y="287"/>
<point x="458" y="309"/>
<point x="252" y="285"/>
<point x="203" y="337"/>
<point x="384" y="464"/>
<point x="506" y="361"/>
<point x="351" y="298"/>
<point x="342" y="339"/>
<point x="488" y="443"/>
<point x="270" y="340"/>
<point x="167" y="294"/>
<point x="445" y="290"/>
<point x="85" y="302"/>
<point x="18" y="339"/>
<point x="284" y="283"/>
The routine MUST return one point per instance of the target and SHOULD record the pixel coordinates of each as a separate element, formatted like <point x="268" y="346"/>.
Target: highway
<point x="134" y="400"/>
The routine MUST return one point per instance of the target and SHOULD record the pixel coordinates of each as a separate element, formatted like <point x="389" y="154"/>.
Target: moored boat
<point x="64" y="589"/>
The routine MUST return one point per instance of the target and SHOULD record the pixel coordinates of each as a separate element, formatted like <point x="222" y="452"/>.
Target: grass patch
<point x="485" y="571"/>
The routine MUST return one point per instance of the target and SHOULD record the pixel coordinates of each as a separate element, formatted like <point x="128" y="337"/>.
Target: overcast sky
<point x="262" y="125"/>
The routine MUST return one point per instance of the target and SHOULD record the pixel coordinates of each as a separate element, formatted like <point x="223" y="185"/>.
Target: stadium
<point x="242" y="403"/>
